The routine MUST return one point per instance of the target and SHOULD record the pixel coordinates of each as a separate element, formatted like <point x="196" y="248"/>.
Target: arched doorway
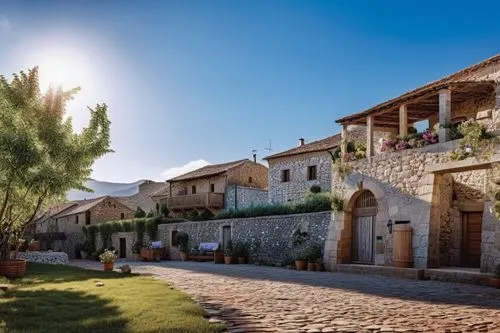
<point x="363" y="228"/>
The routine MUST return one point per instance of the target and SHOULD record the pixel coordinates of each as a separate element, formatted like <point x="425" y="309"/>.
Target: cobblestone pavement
<point x="266" y="299"/>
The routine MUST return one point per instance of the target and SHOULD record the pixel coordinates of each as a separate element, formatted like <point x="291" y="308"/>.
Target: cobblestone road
<point x="266" y="299"/>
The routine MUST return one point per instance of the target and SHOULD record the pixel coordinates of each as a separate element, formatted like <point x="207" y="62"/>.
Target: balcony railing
<point x="199" y="200"/>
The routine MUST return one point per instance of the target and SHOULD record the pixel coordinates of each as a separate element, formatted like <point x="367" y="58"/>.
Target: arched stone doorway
<point x="364" y="214"/>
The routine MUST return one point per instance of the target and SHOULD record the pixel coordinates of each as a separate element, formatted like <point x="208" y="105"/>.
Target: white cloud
<point x="4" y="23"/>
<point x="177" y="171"/>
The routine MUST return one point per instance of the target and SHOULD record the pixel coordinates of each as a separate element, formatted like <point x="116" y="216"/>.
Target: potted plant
<point x="313" y="254"/>
<point x="183" y="240"/>
<point x="495" y="279"/>
<point x="241" y="252"/>
<point x="34" y="245"/>
<point x="301" y="260"/>
<point x="319" y="265"/>
<point x="136" y="249"/>
<point x="108" y="259"/>
<point x="86" y="250"/>
<point x="228" y="253"/>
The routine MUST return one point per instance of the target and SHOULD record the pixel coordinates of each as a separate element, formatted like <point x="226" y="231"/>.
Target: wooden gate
<point x="471" y="244"/>
<point x="363" y="231"/>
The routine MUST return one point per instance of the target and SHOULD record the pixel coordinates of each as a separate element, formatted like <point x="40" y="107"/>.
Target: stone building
<point x="445" y="201"/>
<point x="294" y="171"/>
<point x="207" y="188"/>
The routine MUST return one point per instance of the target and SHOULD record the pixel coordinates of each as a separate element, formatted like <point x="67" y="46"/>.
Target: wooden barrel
<point x="402" y="245"/>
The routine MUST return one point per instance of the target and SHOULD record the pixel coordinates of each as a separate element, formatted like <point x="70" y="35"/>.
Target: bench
<point x="208" y="252"/>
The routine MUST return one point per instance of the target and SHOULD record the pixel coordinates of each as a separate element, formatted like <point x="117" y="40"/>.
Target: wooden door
<point x="363" y="232"/>
<point x="226" y="236"/>
<point x="363" y="239"/>
<point x="471" y="244"/>
<point x="123" y="248"/>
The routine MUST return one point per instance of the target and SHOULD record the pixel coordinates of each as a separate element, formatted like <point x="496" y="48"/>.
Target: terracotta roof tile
<point x="319" y="145"/>
<point x="484" y="71"/>
<point x="209" y="170"/>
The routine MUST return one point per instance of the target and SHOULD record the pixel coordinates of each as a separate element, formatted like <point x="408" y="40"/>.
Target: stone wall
<point x="490" y="239"/>
<point x="239" y="197"/>
<point x="272" y="236"/>
<point x="296" y="188"/>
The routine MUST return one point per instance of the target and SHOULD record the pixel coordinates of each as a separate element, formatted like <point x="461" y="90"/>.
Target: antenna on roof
<point x="254" y="154"/>
<point x="269" y="149"/>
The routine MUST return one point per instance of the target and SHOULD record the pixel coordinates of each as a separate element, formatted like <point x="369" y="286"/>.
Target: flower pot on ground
<point x="228" y="253"/>
<point x="183" y="241"/>
<point x="240" y="251"/>
<point x="136" y="249"/>
<point x="184" y="255"/>
<point x="301" y="260"/>
<point x="13" y="269"/>
<point x="34" y="245"/>
<point x="311" y="267"/>
<point x="108" y="259"/>
<point x="319" y="265"/>
<point x="495" y="279"/>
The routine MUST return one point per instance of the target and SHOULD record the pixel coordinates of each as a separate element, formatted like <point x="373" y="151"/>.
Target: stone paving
<point x="266" y="299"/>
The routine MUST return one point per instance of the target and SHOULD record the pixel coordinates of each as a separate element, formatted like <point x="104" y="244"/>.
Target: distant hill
<point x="105" y="188"/>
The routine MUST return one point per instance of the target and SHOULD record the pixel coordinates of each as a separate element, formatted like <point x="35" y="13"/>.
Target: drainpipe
<point x="235" y="197"/>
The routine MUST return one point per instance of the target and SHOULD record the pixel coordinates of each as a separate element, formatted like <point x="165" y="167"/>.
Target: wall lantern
<point x="389" y="226"/>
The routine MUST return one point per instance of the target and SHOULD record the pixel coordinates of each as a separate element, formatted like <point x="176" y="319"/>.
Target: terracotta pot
<point x="13" y="269"/>
<point x="241" y="260"/>
<point x="108" y="266"/>
<point x="184" y="256"/>
<point x="34" y="246"/>
<point x="228" y="260"/>
<point x="320" y="267"/>
<point x="300" y="265"/>
<point x="84" y="255"/>
<point x="495" y="281"/>
<point x="311" y="267"/>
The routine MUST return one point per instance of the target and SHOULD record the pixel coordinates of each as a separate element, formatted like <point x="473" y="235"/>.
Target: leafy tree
<point x="41" y="158"/>
<point x="139" y="212"/>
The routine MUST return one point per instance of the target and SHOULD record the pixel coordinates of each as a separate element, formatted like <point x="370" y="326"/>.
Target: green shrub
<point x="240" y="249"/>
<point x="337" y="203"/>
<point x="151" y="214"/>
<point x="151" y="226"/>
<point x="140" y="228"/>
<point x="315" y="189"/>
<point x="105" y="231"/>
<point x="127" y="225"/>
<point x="115" y="226"/>
<point x="315" y="203"/>
<point x="164" y="210"/>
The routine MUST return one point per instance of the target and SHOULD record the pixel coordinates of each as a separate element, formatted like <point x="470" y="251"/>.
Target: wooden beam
<point x="369" y="138"/>
<point x="403" y="120"/>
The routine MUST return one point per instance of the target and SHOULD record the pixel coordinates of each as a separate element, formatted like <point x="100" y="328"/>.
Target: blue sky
<point x="195" y="81"/>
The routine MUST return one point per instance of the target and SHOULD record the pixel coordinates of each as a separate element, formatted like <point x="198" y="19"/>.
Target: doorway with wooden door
<point x="123" y="248"/>
<point x="363" y="228"/>
<point x="472" y="225"/>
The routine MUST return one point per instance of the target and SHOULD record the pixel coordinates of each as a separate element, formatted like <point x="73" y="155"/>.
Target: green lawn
<point x="66" y="299"/>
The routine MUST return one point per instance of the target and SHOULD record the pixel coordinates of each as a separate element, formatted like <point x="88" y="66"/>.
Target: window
<point x="122" y="216"/>
<point x="285" y="175"/>
<point x="249" y="179"/>
<point x="311" y="172"/>
<point x="76" y="219"/>
<point x="212" y="188"/>
<point x="174" y="238"/>
<point x="87" y="217"/>
<point x="193" y="189"/>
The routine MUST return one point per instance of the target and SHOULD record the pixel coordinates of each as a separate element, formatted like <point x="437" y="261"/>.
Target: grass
<point x="66" y="299"/>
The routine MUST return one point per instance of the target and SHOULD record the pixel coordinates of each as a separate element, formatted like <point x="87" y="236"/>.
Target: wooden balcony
<point x="198" y="200"/>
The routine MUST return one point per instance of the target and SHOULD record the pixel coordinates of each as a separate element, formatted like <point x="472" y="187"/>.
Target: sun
<point x="66" y="68"/>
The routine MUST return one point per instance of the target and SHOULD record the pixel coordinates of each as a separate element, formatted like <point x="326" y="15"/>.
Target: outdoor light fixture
<point x="389" y="225"/>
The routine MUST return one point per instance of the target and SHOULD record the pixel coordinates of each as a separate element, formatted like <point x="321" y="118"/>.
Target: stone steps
<point x="404" y="273"/>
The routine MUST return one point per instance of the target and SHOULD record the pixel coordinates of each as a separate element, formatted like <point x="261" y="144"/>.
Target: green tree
<point x="139" y="212"/>
<point x="41" y="158"/>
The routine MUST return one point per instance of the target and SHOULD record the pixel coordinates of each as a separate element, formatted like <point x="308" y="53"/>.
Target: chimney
<point x="254" y="152"/>
<point x="301" y="142"/>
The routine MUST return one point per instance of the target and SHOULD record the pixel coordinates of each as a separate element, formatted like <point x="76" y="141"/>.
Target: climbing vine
<point x="474" y="143"/>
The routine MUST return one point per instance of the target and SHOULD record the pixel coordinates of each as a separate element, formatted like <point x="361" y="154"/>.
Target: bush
<point x="127" y="225"/>
<point x="140" y="228"/>
<point x="315" y="189"/>
<point x="315" y="203"/>
<point x="240" y="249"/>
<point x="137" y="246"/>
<point x="164" y="210"/>
<point x="151" y="214"/>
<point x="151" y="226"/>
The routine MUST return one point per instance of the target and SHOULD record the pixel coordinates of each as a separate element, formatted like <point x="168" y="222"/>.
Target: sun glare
<point x="65" y="68"/>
